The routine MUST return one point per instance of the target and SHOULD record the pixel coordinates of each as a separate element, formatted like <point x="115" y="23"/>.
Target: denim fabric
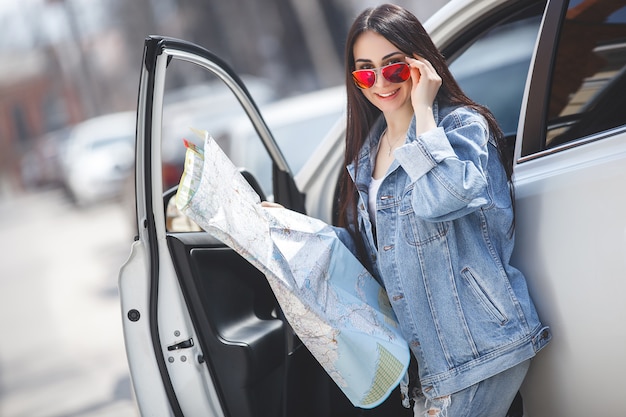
<point x="489" y="398"/>
<point x="442" y="252"/>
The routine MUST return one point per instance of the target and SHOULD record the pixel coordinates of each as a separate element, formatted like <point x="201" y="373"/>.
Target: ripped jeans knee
<point x="436" y="407"/>
<point x="423" y="406"/>
<point x="492" y="396"/>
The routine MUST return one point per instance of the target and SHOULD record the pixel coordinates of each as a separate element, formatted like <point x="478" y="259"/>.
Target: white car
<point x="99" y="156"/>
<point x="203" y="331"/>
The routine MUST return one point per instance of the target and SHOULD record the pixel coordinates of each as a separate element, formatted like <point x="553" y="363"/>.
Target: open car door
<point x="203" y="331"/>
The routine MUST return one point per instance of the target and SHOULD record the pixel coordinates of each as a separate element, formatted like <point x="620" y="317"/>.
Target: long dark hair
<point x="403" y="29"/>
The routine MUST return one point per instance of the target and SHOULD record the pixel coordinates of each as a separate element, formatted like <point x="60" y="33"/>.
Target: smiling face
<point x="372" y="50"/>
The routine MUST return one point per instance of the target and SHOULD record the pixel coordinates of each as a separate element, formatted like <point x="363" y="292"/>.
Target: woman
<point x="427" y="198"/>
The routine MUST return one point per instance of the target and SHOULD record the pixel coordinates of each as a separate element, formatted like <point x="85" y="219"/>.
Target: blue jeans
<point x="489" y="398"/>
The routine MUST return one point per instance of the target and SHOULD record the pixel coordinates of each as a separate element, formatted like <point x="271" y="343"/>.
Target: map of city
<point x="333" y="304"/>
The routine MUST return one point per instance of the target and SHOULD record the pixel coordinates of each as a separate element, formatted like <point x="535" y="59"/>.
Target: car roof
<point x="108" y="124"/>
<point x="296" y="108"/>
<point x="443" y="24"/>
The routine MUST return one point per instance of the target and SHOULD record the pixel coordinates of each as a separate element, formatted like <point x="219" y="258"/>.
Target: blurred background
<point x="69" y="72"/>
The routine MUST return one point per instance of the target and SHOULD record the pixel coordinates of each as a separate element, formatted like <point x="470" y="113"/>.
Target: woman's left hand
<point x="268" y="204"/>
<point x="426" y="84"/>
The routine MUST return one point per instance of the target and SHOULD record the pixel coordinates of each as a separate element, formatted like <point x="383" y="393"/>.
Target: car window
<point x="297" y="136"/>
<point x="203" y="103"/>
<point x="298" y="140"/>
<point x="589" y="75"/>
<point x="298" y="125"/>
<point x="196" y="99"/>
<point x="492" y="71"/>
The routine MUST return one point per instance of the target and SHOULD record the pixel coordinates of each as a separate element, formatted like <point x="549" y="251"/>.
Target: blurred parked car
<point x="99" y="156"/>
<point x="203" y="332"/>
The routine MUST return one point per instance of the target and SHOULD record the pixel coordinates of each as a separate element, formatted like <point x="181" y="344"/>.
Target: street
<point x="61" y="343"/>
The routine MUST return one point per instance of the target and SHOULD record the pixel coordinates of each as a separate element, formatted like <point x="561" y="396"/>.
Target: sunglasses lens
<point x="364" y="78"/>
<point x="396" y="73"/>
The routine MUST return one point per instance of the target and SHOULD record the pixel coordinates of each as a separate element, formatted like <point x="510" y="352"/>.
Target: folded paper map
<point x="333" y="304"/>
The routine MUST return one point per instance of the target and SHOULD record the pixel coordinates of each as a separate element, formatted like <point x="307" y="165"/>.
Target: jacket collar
<point x="366" y="156"/>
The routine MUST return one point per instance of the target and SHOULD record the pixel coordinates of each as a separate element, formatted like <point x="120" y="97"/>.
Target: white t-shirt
<point x="371" y="203"/>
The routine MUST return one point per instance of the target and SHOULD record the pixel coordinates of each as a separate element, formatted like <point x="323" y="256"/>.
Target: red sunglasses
<point x="397" y="72"/>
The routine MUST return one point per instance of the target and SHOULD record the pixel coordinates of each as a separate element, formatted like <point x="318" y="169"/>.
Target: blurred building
<point x="75" y="59"/>
<point x="34" y="100"/>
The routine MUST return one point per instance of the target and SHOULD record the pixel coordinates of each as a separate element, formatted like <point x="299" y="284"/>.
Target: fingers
<point x="268" y="204"/>
<point x="415" y="70"/>
<point x="424" y="67"/>
<point x="426" y="82"/>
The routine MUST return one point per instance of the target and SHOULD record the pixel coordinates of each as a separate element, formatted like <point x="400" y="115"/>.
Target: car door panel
<point x="134" y="287"/>
<point x="569" y="177"/>
<point x="227" y="358"/>
<point x="258" y="367"/>
<point x="570" y="245"/>
<point x="243" y="340"/>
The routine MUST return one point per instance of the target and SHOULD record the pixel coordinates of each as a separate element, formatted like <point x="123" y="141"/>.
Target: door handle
<point x="185" y="344"/>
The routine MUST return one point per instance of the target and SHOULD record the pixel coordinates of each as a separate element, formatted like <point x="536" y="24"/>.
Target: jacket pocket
<point x="479" y="291"/>
<point x="418" y="232"/>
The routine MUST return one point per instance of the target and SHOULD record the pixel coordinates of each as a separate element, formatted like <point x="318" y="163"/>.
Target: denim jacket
<point x="442" y="248"/>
